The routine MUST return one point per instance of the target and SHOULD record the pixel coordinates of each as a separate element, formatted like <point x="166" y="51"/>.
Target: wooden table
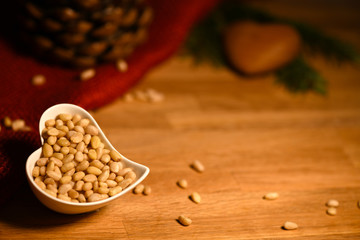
<point x="253" y="137"/>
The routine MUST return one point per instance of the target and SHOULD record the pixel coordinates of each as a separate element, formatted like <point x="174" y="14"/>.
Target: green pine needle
<point x="299" y="77"/>
<point x="204" y="45"/>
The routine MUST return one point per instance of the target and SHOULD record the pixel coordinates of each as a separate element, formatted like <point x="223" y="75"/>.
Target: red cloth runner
<point x="20" y="99"/>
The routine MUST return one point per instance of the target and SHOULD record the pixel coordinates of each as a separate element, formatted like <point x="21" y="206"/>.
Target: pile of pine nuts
<point x="75" y="165"/>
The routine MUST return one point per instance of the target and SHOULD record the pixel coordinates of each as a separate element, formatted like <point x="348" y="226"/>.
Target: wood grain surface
<point x="252" y="136"/>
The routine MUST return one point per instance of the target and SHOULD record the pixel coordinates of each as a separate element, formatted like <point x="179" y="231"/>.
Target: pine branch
<point x="204" y="45"/>
<point x="299" y="77"/>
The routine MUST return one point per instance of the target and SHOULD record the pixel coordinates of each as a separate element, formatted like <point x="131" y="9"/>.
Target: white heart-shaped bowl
<point x="62" y="206"/>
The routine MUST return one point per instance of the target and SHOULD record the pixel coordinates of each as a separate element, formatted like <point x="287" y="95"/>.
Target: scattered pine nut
<point x="121" y="65"/>
<point x="271" y="196"/>
<point x="332" y="203"/>
<point x="185" y="221"/>
<point x="331" y="211"/>
<point x="139" y="189"/>
<point x="128" y="97"/>
<point x="182" y="183"/>
<point x="198" y="166"/>
<point x="38" y="80"/>
<point x="7" y="121"/>
<point x="87" y="74"/>
<point x="18" y="124"/>
<point x="154" y="96"/>
<point x="195" y="197"/>
<point x="141" y="96"/>
<point x="147" y="190"/>
<point x="290" y="226"/>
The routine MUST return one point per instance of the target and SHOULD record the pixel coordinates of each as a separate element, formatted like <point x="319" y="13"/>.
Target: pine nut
<point x="51" y="193"/>
<point x="104" y="176"/>
<point x="79" y="185"/>
<point x="70" y="124"/>
<point x="105" y="158"/>
<point x="63" y="142"/>
<point x="124" y="171"/>
<point x="79" y="156"/>
<point x="49" y="181"/>
<point x="332" y="203"/>
<point x="92" y="154"/>
<point x="94" y="197"/>
<point x="290" y="226"/>
<point x="114" y="167"/>
<point x="56" y="147"/>
<point x="78" y="176"/>
<point x="77" y="137"/>
<point x="182" y="183"/>
<point x="36" y="171"/>
<point x="51" y="140"/>
<point x="53" y="132"/>
<point x="73" y="194"/>
<point x="87" y="186"/>
<point x="18" y="124"/>
<point x="50" y="123"/>
<point x="112" y="176"/>
<point x="119" y="179"/>
<point x="59" y="123"/>
<point x="115" y="155"/>
<point x="64" y="188"/>
<point x="94" y="170"/>
<point x="56" y="161"/>
<point x="41" y="185"/>
<point x="131" y="175"/>
<point x="97" y="163"/>
<point x="198" y="166"/>
<point x="38" y="80"/>
<point x="90" y="178"/>
<point x="331" y="211"/>
<point x="87" y="139"/>
<point x="65" y="117"/>
<point x="121" y="65"/>
<point x="80" y="147"/>
<point x="64" y="197"/>
<point x="47" y="150"/>
<point x="76" y="118"/>
<point x="70" y="172"/>
<point x="42" y="161"/>
<point x="82" y="166"/>
<point x="271" y="196"/>
<point x="65" y="179"/>
<point x="185" y="221"/>
<point x="92" y="130"/>
<point x="147" y="189"/>
<point x="81" y="198"/>
<point x="42" y="171"/>
<point x="95" y="142"/>
<point x="195" y="197"/>
<point x="103" y="190"/>
<point x="87" y="74"/>
<point x="139" y="189"/>
<point x="84" y="122"/>
<point x="111" y="183"/>
<point x="115" y="190"/>
<point x="67" y="166"/>
<point x="50" y="166"/>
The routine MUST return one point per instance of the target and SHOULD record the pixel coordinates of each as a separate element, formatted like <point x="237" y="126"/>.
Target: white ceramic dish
<point x="59" y="205"/>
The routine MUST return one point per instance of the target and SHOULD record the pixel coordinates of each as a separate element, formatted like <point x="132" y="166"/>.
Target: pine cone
<point x="84" y="33"/>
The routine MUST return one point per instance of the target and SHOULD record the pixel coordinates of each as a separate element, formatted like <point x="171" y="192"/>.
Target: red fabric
<point x="19" y="99"/>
